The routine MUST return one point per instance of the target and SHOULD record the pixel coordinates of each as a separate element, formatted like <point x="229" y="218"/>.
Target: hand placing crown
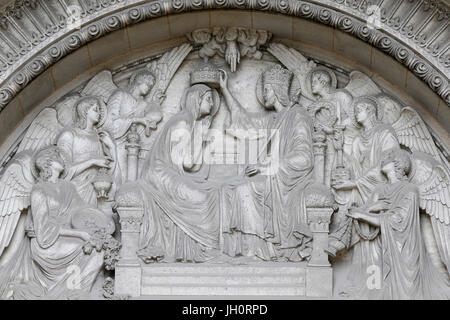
<point x="206" y="73"/>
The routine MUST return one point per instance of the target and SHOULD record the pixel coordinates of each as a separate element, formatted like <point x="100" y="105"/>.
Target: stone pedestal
<point x="319" y="274"/>
<point x="128" y="269"/>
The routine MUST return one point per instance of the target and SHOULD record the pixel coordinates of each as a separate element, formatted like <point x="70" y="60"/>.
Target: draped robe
<point x="364" y="163"/>
<point x="181" y="219"/>
<point x="78" y="146"/>
<point x="58" y="261"/>
<point x="265" y="216"/>
<point x="406" y="269"/>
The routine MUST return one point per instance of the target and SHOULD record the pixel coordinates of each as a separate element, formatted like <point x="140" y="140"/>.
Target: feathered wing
<point x="101" y="85"/>
<point x="42" y="131"/>
<point x="15" y="188"/>
<point x="413" y="133"/>
<point x="164" y="69"/>
<point x="295" y="62"/>
<point x="434" y="183"/>
<point x="361" y="85"/>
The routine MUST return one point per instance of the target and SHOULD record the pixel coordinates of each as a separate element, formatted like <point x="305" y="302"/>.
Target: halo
<point x="102" y="109"/>
<point x="294" y="88"/>
<point x="216" y="98"/>
<point x="62" y="155"/>
<point x="308" y="79"/>
<point x="374" y="100"/>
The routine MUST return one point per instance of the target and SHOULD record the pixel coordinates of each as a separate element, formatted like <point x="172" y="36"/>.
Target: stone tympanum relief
<point x="226" y="153"/>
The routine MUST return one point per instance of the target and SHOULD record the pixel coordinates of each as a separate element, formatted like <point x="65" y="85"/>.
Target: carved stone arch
<point x="332" y="26"/>
<point x="119" y="35"/>
<point x="413" y="32"/>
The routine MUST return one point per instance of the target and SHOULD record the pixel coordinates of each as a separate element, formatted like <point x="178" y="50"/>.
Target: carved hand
<point x="380" y="205"/>
<point x="84" y="235"/>
<point x="251" y="171"/>
<point x="355" y="213"/>
<point x="325" y="128"/>
<point x="345" y="186"/>
<point x="139" y="121"/>
<point x="223" y="79"/>
<point x="101" y="162"/>
<point x="232" y="55"/>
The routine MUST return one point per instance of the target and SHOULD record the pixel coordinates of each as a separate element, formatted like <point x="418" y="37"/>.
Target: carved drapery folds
<point x="332" y="157"/>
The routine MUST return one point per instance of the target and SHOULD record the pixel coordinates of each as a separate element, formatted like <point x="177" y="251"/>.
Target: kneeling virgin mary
<point x="181" y="220"/>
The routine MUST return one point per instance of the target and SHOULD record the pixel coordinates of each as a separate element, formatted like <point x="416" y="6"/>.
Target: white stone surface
<point x="174" y="208"/>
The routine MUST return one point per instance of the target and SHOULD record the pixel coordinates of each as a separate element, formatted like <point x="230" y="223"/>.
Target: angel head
<point x="49" y="163"/>
<point x="276" y="83"/>
<point x="141" y="82"/>
<point x="365" y="110"/>
<point x="89" y="110"/>
<point x="396" y="164"/>
<point x="321" y="82"/>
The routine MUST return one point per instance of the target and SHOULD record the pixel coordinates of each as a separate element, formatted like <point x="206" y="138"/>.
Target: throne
<point x="135" y="278"/>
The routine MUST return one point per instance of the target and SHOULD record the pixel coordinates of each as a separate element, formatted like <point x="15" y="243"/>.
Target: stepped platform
<point x="254" y="279"/>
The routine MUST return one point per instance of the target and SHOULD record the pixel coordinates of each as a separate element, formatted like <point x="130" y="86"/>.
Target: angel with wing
<point x="406" y="270"/>
<point x="373" y="124"/>
<point x="75" y="125"/>
<point x="375" y="138"/>
<point x="51" y="225"/>
<point x="139" y="106"/>
<point x="330" y="106"/>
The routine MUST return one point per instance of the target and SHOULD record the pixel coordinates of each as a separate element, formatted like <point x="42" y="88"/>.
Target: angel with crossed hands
<point x="374" y="122"/>
<point x="414" y="181"/>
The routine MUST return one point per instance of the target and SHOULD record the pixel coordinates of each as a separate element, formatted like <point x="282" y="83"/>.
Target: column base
<point x="128" y="278"/>
<point x="319" y="281"/>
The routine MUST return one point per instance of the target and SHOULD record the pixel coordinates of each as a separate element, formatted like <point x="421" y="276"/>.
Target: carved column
<point x="320" y="203"/>
<point x="133" y="147"/>
<point x="319" y="274"/>
<point x="319" y="148"/>
<point x="319" y="221"/>
<point x="128" y="269"/>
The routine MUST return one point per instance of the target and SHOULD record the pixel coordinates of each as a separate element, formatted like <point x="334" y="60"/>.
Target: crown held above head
<point x="206" y="73"/>
<point x="277" y="75"/>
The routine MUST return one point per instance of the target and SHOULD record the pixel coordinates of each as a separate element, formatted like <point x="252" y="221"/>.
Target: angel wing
<point x="413" y="133"/>
<point x="101" y="85"/>
<point x="15" y="188"/>
<point x="434" y="184"/>
<point x="42" y="131"/>
<point x="163" y="69"/>
<point x="361" y="85"/>
<point x="295" y="62"/>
